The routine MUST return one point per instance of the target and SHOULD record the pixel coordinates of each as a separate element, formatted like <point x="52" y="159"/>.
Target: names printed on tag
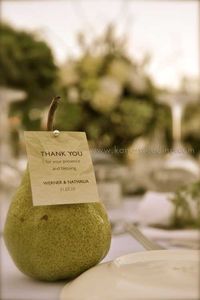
<point x="60" y="167"/>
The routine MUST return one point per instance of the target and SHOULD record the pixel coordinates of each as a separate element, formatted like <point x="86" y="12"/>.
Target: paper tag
<point x="60" y="167"/>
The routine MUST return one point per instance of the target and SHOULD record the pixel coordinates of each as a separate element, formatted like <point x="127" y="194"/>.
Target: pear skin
<point x="55" y="242"/>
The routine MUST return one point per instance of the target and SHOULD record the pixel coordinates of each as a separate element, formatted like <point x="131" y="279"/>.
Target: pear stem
<point x="51" y="112"/>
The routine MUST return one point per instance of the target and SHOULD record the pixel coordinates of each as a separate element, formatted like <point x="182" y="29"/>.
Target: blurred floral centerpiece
<point x="26" y="65"/>
<point x="107" y="94"/>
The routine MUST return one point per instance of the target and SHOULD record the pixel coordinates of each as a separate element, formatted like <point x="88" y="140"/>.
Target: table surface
<point x="16" y="286"/>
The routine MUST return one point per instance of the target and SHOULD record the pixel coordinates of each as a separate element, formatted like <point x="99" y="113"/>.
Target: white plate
<point x="155" y="275"/>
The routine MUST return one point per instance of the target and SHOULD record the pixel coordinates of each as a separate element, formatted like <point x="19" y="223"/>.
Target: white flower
<point x="73" y="95"/>
<point x="107" y="96"/>
<point x="103" y="101"/>
<point x="111" y="86"/>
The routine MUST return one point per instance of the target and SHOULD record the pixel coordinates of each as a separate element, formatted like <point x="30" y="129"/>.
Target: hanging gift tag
<point x="60" y="167"/>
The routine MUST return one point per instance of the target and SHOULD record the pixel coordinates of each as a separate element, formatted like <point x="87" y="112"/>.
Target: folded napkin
<point x="188" y="238"/>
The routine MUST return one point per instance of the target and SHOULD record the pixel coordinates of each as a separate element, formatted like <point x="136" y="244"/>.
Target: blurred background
<point x="128" y="73"/>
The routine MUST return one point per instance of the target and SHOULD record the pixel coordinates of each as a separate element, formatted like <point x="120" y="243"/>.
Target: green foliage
<point x="136" y="112"/>
<point x="191" y="127"/>
<point x="69" y="116"/>
<point x="27" y="63"/>
<point x="186" y="207"/>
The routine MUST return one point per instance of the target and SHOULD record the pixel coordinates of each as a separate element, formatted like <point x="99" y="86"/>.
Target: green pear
<point x="55" y="242"/>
